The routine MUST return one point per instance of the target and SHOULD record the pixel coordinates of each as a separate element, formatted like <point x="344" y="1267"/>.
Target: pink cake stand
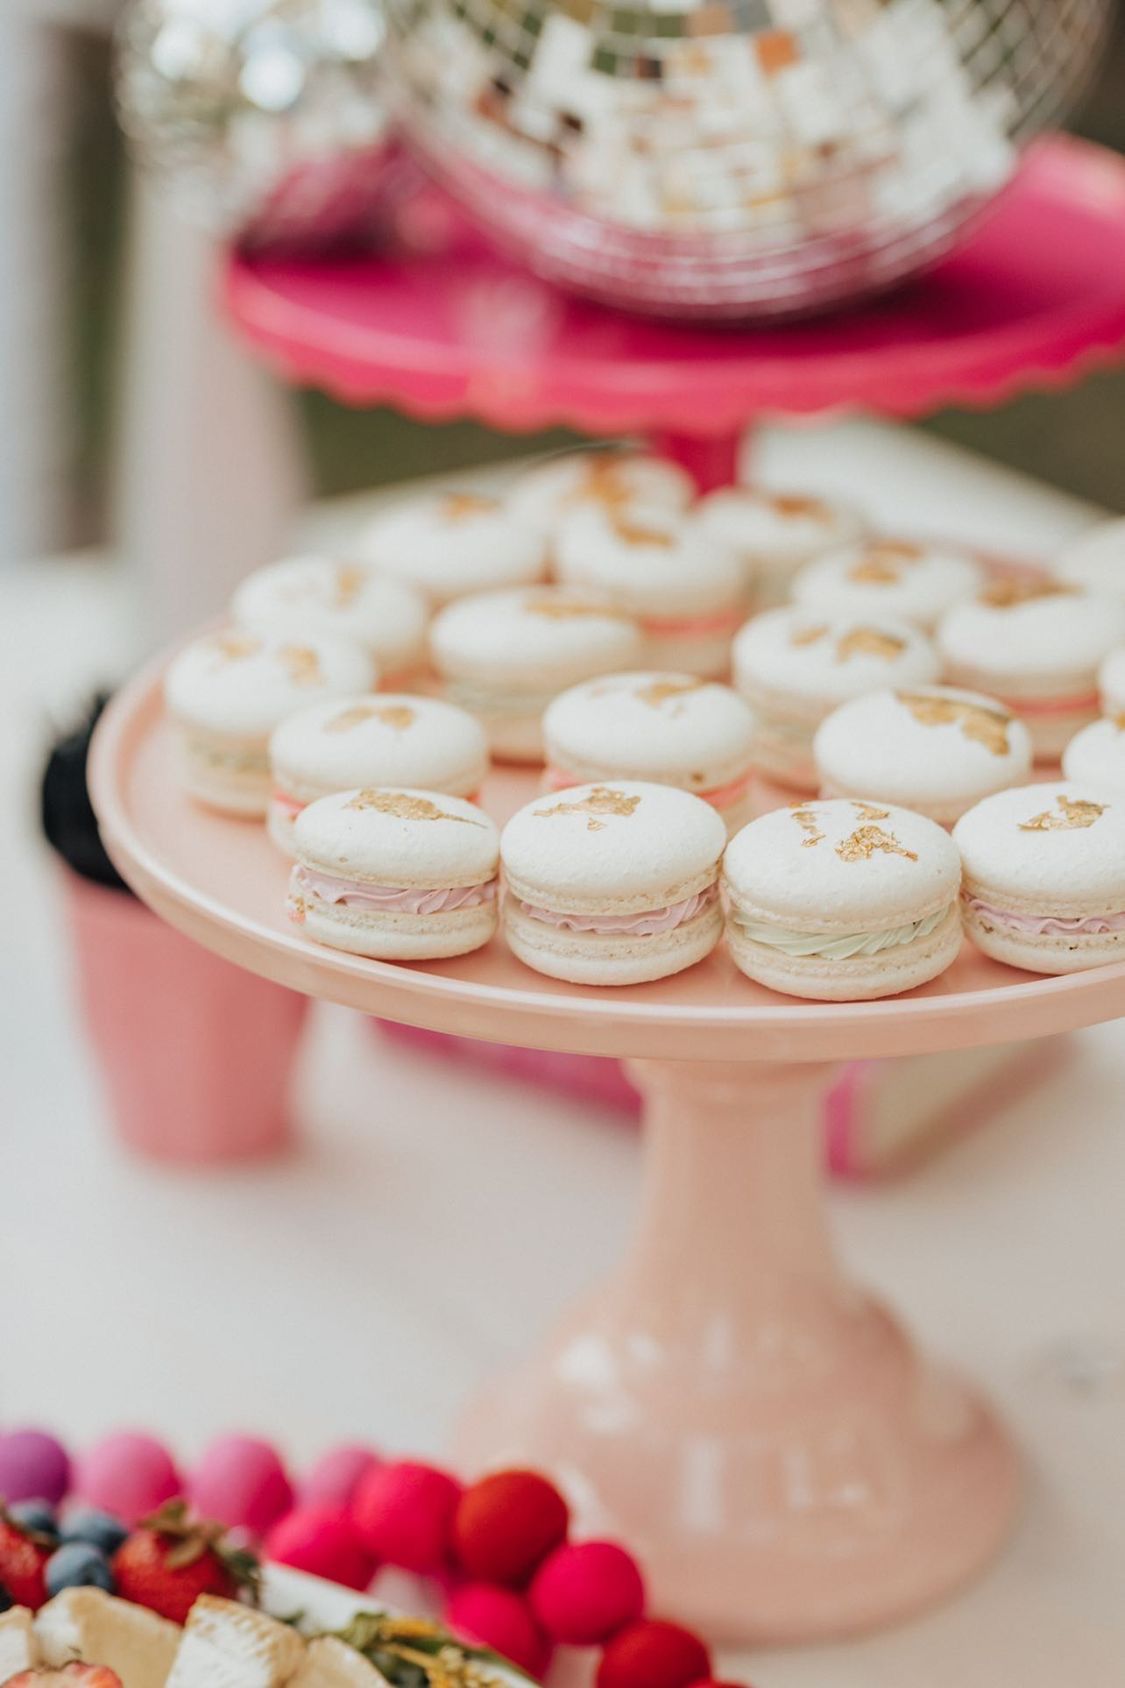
<point x="761" y="1430"/>
<point x="444" y="327"/>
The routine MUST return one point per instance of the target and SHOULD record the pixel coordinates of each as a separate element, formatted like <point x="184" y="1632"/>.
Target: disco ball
<point x="267" y="117"/>
<point x="737" y="158"/>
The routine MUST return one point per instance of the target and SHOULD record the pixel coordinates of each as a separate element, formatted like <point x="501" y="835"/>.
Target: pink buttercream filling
<point x="722" y="797"/>
<point x="1044" y="925"/>
<point x="391" y="899"/>
<point x="693" y="627"/>
<point x="1050" y="705"/>
<point x="649" y="923"/>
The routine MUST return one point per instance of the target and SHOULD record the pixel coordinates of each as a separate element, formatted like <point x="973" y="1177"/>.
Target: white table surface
<point x="431" y="1226"/>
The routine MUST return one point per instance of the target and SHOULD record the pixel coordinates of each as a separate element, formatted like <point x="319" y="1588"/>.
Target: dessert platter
<point x="764" y="1432"/>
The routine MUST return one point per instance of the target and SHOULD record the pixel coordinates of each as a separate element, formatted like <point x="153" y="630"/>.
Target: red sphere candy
<point x="507" y="1524"/>
<point x="501" y="1619"/>
<point x="323" y="1541"/>
<point x="587" y="1591"/>
<point x="653" y="1655"/>
<point x="404" y="1516"/>
<point x="711" y="1683"/>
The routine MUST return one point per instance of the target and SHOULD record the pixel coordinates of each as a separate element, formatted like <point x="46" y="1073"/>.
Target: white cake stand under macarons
<point x="761" y="1429"/>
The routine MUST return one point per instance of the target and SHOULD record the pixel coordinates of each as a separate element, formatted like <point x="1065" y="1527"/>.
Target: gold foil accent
<point x="635" y="532"/>
<point x="605" y="481"/>
<point x="794" y="504"/>
<point x="463" y="506"/>
<point x="570" y="609"/>
<point x="988" y="727"/>
<point x="869" y="811"/>
<point x="405" y="807"/>
<point x="301" y="664"/>
<point x="1119" y="722"/>
<point x="601" y="801"/>
<point x="350" y="578"/>
<point x="806" y="819"/>
<point x="236" y="647"/>
<point x="1073" y="816"/>
<point x="660" y="692"/>
<point x="869" y="641"/>
<point x="350" y="718"/>
<point x="806" y="636"/>
<point x="867" y="841"/>
<point x="883" y="561"/>
<point x="1009" y="593"/>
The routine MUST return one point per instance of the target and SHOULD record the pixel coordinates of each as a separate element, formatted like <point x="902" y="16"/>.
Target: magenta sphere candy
<point x="128" y="1474"/>
<point x="336" y="1476"/>
<point x="241" y="1482"/>
<point x="404" y="1515"/>
<point x="323" y="1541"/>
<point x="33" y="1466"/>
<point x="501" y="1619"/>
<point x="587" y="1591"/>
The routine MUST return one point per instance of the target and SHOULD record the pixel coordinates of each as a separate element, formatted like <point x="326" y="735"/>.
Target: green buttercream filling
<point x="843" y="948"/>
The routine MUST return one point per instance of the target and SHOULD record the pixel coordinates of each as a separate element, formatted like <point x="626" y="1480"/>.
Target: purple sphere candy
<point x="33" y="1466"/>
<point x="337" y="1475"/>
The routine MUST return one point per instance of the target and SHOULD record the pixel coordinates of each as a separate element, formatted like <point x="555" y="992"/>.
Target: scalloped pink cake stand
<point x="760" y="1430"/>
<point x="443" y="327"/>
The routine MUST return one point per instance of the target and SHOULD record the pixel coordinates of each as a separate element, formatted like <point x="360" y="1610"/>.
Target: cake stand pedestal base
<point x="763" y="1434"/>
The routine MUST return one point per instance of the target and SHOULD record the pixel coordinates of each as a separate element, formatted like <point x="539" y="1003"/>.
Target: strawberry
<point x="72" y="1676"/>
<point x="171" y="1559"/>
<point x="24" y="1554"/>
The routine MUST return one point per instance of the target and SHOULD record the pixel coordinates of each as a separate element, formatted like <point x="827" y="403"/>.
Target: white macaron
<point x="894" y="577"/>
<point x="398" y="875"/>
<point x="1096" y="560"/>
<point x="1096" y="755"/>
<point x="323" y="595"/>
<point x="775" y="533"/>
<point x="1111" y="683"/>
<point x="447" y="545"/>
<point x="229" y="691"/>
<point x="842" y="900"/>
<point x="505" y="655"/>
<point x="613" y="884"/>
<point x="1044" y="877"/>
<point x="689" y="593"/>
<point x="1036" y="645"/>
<point x="673" y="729"/>
<point x="545" y="493"/>
<point x="383" y="739"/>
<point x="795" y="667"/>
<point x="931" y="748"/>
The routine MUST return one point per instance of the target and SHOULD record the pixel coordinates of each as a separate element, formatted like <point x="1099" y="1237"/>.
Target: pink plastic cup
<point x="196" y="1054"/>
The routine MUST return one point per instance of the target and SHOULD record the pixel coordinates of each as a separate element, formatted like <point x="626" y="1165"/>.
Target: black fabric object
<point x="66" y="813"/>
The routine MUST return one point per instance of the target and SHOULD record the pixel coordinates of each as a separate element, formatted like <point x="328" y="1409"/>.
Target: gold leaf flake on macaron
<point x="805" y="818"/>
<point x="563" y="608"/>
<point x="869" y="641"/>
<point x="349" y="583"/>
<point x="870" y="811"/>
<point x="463" y="506"/>
<point x="867" y="841"/>
<point x="302" y="664"/>
<point x="636" y="532"/>
<point x="1073" y="815"/>
<point x="796" y="505"/>
<point x="349" y="719"/>
<point x="236" y="647"/>
<point x="671" y="690"/>
<point x="601" y="801"/>
<point x="883" y="562"/>
<point x="982" y="725"/>
<point x="806" y="636"/>
<point x="406" y="808"/>
<point x="1009" y="593"/>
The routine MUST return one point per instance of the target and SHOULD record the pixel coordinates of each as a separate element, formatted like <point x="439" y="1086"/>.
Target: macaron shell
<point x="1050" y="643"/>
<point x="545" y="493"/>
<point x="815" y="661"/>
<point x="778" y="528"/>
<point x="672" y="728"/>
<point x="339" y="599"/>
<point x="1096" y="756"/>
<point x="863" y="979"/>
<point x="889" y="577"/>
<point x="1111" y="683"/>
<point x="1096" y="560"/>
<point x="452" y="544"/>
<point x="1056" y="849"/>
<point x="242" y="685"/>
<point x="379" y="738"/>
<point x="650" y="563"/>
<point x="402" y="838"/>
<point x="621" y="847"/>
<point x="841" y="866"/>
<point x="932" y="749"/>
<point x="543" y="638"/>
<point x="589" y="958"/>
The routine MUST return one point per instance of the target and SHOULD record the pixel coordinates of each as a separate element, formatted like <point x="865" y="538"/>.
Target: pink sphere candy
<point x="33" y="1466"/>
<point x="241" y="1482"/>
<point x="586" y="1591"/>
<point x="337" y="1475"/>
<point x="501" y="1619"/>
<point x="322" y="1540"/>
<point x="127" y="1474"/>
<point x="404" y="1515"/>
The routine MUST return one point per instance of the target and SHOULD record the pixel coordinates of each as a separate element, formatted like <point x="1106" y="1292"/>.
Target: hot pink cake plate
<point x="764" y="1432"/>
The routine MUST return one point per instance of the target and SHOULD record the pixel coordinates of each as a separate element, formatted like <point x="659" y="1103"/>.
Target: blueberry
<point x="100" y="1529"/>
<point x="37" y="1516"/>
<point x="78" y="1564"/>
